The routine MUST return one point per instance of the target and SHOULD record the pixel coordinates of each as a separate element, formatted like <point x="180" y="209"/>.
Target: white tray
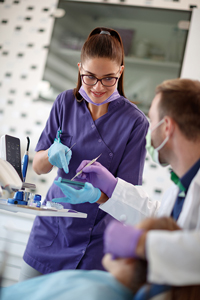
<point x="45" y="212"/>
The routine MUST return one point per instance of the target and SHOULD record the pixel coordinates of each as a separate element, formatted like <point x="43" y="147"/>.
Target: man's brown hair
<point x="180" y="100"/>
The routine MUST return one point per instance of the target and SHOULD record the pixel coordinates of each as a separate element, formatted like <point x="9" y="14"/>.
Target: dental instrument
<point x="59" y="133"/>
<point x="90" y="163"/>
<point x="25" y="160"/>
<point x="71" y="147"/>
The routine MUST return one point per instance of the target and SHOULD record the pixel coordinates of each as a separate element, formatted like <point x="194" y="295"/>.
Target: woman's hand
<point x="87" y="194"/>
<point x="59" y="155"/>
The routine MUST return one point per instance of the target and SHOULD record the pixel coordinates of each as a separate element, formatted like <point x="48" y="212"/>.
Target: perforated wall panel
<point x="25" y="33"/>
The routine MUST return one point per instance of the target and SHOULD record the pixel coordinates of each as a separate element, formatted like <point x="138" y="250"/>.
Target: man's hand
<point x="98" y="176"/>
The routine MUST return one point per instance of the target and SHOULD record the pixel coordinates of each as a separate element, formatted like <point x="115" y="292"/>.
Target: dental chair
<point x="152" y="291"/>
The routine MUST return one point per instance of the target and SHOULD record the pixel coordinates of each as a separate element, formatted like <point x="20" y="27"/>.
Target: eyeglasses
<point x="105" y="81"/>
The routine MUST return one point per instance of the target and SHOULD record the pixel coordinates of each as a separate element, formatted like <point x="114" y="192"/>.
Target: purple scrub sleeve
<point x="58" y="243"/>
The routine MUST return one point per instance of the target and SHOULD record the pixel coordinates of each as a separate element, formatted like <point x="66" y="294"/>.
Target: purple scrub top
<point x="58" y="243"/>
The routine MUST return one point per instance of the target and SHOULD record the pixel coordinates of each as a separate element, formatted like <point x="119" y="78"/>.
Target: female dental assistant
<point x="100" y="120"/>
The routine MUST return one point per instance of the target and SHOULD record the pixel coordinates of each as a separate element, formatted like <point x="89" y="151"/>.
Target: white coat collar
<point x="191" y="207"/>
<point x="170" y="196"/>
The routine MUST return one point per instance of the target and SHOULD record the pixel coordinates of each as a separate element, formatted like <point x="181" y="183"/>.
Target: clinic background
<point x="40" y="44"/>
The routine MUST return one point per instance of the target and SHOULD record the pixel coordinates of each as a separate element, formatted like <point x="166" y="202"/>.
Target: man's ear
<point x="169" y="125"/>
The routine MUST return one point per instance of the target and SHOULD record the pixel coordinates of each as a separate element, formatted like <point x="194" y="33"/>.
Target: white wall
<point x="25" y="33"/>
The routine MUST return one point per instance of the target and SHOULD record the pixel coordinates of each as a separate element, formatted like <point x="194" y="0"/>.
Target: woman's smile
<point x="100" y="68"/>
<point x="97" y="94"/>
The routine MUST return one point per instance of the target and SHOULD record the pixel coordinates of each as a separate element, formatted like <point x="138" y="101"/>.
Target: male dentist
<point x="173" y="138"/>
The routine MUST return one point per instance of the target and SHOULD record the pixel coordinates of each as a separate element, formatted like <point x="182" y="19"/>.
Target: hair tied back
<point x="105" y="32"/>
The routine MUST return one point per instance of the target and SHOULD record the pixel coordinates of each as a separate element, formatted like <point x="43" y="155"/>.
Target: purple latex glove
<point x="98" y="176"/>
<point x="121" y="240"/>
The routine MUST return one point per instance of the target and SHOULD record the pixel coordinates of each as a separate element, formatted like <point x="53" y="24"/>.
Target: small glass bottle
<point x="37" y="199"/>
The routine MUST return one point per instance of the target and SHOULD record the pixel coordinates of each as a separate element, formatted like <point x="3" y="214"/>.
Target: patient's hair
<point x="139" y="275"/>
<point x="190" y="292"/>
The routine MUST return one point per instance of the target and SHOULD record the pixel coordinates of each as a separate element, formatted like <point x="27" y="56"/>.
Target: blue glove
<point x="87" y="194"/>
<point x="59" y="155"/>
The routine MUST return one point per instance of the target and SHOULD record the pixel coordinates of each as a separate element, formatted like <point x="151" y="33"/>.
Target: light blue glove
<point x="59" y="155"/>
<point x="87" y="194"/>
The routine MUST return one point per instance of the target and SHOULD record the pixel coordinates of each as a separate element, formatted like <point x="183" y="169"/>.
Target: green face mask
<point x="154" y="152"/>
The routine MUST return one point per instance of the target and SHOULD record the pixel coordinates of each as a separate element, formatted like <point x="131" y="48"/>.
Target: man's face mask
<point x="154" y="151"/>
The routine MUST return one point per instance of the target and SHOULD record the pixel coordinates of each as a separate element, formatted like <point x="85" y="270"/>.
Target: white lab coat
<point x="174" y="258"/>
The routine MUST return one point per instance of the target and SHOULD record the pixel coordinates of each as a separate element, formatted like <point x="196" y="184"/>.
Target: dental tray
<point x="41" y="211"/>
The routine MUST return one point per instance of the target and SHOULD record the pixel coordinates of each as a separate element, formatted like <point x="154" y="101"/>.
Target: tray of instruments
<point x="41" y="211"/>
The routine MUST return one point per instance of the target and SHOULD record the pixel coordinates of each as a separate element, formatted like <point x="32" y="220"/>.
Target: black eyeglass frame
<point x="83" y="75"/>
<point x="97" y="79"/>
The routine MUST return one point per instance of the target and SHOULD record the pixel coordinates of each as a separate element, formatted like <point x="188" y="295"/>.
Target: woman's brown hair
<point x="106" y="43"/>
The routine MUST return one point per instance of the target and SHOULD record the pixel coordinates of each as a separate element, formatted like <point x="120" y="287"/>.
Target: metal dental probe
<point x="90" y="163"/>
